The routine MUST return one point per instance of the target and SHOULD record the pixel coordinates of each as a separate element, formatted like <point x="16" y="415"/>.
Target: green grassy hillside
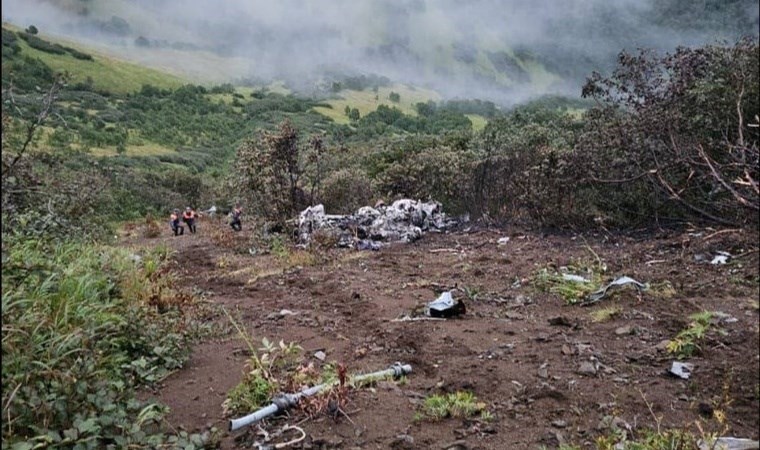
<point x="107" y="73"/>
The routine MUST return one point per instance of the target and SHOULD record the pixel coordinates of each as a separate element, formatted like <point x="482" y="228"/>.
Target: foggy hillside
<point x="503" y="50"/>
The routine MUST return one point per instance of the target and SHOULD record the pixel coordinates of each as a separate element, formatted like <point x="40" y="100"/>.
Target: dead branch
<point x="47" y="105"/>
<point x="743" y="201"/>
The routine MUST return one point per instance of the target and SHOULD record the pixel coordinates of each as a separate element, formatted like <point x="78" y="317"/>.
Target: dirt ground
<point x="505" y="349"/>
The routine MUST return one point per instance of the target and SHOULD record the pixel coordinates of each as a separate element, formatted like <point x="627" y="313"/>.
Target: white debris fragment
<point x="681" y="370"/>
<point x="721" y="258"/>
<point x="575" y="278"/>
<point x="729" y="443"/>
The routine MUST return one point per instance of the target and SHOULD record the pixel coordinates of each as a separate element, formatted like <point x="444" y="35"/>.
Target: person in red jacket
<point x="189" y="217"/>
<point x="174" y="222"/>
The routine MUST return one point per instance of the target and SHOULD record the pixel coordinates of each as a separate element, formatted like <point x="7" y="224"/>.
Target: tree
<point x="394" y="97"/>
<point x="354" y="115"/>
<point x="271" y="169"/>
<point x="32" y="29"/>
<point x="677" y="129"/>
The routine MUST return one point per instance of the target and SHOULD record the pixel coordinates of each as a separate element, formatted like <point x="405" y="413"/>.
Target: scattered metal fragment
<point x="445" y="306"/>
<point x="366" y="244"/>
<point x="720" y="258"/>
<point x="403" y="221"/>
<point x="622" y="281"/>
<point x="729" y="443"/>
<point x="681" y="370"/>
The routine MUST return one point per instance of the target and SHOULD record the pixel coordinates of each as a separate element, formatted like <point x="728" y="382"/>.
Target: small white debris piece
<point x="287" y="312"/>
<point x="575" y="278"/>
<point x="442" y="303"/>
<point x="681" y="370"/>
<point x="721" y="258"/>
<point x="503" y="241"/>
<point x="320" y="355"/>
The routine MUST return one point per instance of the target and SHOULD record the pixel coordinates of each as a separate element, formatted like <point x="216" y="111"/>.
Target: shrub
<point x="79" y="335"/>
<point x="346" y="190"/>
<point x="42" y="45"/>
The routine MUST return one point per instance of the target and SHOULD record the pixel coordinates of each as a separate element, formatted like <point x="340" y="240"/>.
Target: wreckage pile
<point x="368" y="228"/>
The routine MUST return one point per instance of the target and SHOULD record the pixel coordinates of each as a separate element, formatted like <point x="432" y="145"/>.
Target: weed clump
<point x="458" y="404"/>
<point x="686" y="342"/>
<point x="573" y="283"/>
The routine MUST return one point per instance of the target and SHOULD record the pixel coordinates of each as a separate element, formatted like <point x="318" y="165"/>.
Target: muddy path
<point x="544" y="383"/>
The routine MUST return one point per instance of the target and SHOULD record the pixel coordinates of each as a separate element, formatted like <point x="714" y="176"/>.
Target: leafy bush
<point x="346" y="190"/>
<point x="81" y="331"/>
<point x="437" y="173"/>
<point x="41" y="44"/>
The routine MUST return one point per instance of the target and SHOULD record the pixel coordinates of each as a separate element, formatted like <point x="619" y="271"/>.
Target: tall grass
<point x="81" y="329"/>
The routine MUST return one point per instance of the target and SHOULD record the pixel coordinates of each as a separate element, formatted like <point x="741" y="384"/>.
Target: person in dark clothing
<point x="235" y="218"/>
<point x="174" y="222"/>
<point x="189" y="217"/>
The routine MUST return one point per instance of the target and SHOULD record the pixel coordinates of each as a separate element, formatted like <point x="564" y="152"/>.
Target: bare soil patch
<point x="505" y="350"/>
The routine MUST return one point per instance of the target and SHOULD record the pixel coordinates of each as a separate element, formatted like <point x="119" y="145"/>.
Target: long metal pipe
<point x="285" y="401"/>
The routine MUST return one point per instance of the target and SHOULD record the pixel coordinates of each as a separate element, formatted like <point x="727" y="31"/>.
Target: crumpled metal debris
<point x="403" y="221"/>
<point x="367" y="244"/>
<point x="622" y="281"/>
<point x="445" y="306"/>
<point x="681" y="370"/>
<point x="721" y="258"/>
<point x="729" y="443"/>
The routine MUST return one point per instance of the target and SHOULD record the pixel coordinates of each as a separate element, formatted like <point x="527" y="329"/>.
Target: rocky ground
<point x="546" y="370"/>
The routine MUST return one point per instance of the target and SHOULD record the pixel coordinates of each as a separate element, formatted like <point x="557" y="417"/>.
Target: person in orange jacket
<point x="189" y="217"/>
<point x="174" y="222"/>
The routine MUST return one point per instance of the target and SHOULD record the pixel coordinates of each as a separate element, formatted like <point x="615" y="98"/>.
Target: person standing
<point x="174" y="222"/>
<point x="189" y="217"/>
<point x="235" y="218"/>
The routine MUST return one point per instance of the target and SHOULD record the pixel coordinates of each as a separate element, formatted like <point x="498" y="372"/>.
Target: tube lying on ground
<point x="285" y="401"/>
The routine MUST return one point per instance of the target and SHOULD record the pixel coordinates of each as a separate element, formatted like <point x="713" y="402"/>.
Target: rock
<point x="560" y="321"/>
<point x="553" y="439"/>
<point x="621" y="331"/>
<point x="543" y="371"/>
<point x="662" y="346"/>
<point x="566" y="350"/>
<point x="403" y="442"/>
<point x="587" y="368"/>
<point x="559" y="423"/>
<point x="320" y="355"/>
<point x="705" y="409"/>
<point x="456" y="445"/>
